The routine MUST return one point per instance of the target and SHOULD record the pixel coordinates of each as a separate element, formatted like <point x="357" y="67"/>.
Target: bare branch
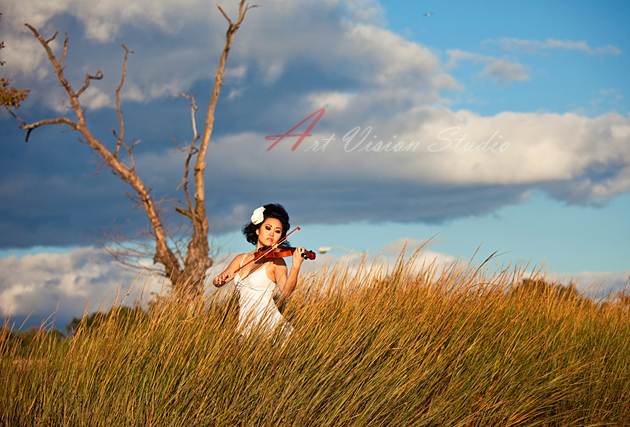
<point x="218" y="82"/>
<point x="118" y="111"/>
<point x="225" y="15"/>
<point x="192" y="151"/>
<point x="58" y="70"/>
<point x="88" y="77"/>
<point x="184" y="184"/>
<point x="22" y="122"/>
<point x="129" y="251"/>
<point x="200" y="164"/>
<point x="53" y="37"/>
<point x="35" y="125"/>
<point x="186" y="212"/>
<point x="193" y="110"/>
<point x="130" y="151"/>
<point x="100" y="166"/>
<point x="162" y="201"/>
<point x="65" y="49"/>
<point x="179" y="149"/>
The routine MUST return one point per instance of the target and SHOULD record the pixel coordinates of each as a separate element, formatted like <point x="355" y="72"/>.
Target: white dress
<point x="256" y="306"/>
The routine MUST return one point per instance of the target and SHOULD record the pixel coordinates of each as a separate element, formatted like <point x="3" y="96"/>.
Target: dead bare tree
<point x="185" y="271"/>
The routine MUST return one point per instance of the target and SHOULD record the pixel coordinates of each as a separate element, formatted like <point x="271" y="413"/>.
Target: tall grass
<point x="458" y="347"/>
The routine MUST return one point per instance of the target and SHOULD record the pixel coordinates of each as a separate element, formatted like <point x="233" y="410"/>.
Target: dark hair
<point x="276" y="211"/>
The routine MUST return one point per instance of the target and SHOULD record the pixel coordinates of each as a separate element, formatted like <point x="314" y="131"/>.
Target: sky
<point x="484" y="126"/>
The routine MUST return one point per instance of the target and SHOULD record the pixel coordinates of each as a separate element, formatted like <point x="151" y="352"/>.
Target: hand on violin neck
<point x="298" y="256"/>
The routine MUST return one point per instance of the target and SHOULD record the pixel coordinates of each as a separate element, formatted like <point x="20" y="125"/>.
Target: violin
<point x="273" y="252"/>
<point x="281" y="252"/>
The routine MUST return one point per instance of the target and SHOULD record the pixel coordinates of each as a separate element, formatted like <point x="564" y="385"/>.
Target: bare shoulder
<point x="238" y="260"/>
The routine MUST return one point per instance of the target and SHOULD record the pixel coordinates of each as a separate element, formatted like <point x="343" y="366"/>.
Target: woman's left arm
<point x="286" y="282"/>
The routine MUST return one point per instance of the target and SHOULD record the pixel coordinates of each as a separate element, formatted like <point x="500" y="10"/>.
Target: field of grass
<point x="454" y="347"/>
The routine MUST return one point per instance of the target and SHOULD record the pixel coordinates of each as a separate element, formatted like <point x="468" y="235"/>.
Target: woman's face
<point x="270" y="232"/>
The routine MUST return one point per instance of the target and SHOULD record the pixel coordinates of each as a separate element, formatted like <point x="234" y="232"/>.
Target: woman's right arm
<point x="221" y="279"/>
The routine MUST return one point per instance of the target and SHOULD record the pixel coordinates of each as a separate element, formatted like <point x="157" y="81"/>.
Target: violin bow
<point x="271" y="248"/>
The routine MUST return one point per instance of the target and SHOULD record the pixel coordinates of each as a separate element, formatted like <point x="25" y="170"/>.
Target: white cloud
<point x="103" y="20"/>
<point x="612" y="50"/>
<point x="505" y="72"/>
<point x="335" y="101"/>
<point x="621" y="132"/>
<point x="501" y="70"/>
<point x="410" y="246"/>
<point x="389" y="59"/>
<point x="533" y="46"/>
<point x="367" y="11"/>
<point x="37" y="283"/>
<point x="540" y="148"/>
<point x="235" y="93"/>
<point x="132" y="93"/>
<point x="394" y="83"/>
<point x="576" y="159"/>
<point x="595" y="283"/>
<point x="424" y="257"/>
<point x="281" y="33"/>
<point x="95" y="99"/>
<point x="339" y="44"/>
<point x="236" y="72"/>
<point x="168" y="70"/>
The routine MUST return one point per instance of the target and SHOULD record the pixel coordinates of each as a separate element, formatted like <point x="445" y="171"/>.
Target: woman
<point x="257" y="281"/>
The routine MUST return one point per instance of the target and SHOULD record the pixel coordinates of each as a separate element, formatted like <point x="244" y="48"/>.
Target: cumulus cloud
<point x="583" y="157"/>
<point x="39" y="283"/>
<point x="104" y="21"/>
<point x="342" y="40"/>
<point x="429" y="163"/>
<point x="291" y="58"/>
<point x="96" y="31"/>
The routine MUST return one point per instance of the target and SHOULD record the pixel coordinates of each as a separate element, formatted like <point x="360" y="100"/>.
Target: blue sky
<point x="549" y="77"/>
<point x="561" y="80"/>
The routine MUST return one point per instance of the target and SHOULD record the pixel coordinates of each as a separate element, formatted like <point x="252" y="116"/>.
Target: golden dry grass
<point x="458" y="347"/>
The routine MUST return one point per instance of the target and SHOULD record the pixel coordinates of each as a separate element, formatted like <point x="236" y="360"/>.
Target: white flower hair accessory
<point x="257" y="216"/>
